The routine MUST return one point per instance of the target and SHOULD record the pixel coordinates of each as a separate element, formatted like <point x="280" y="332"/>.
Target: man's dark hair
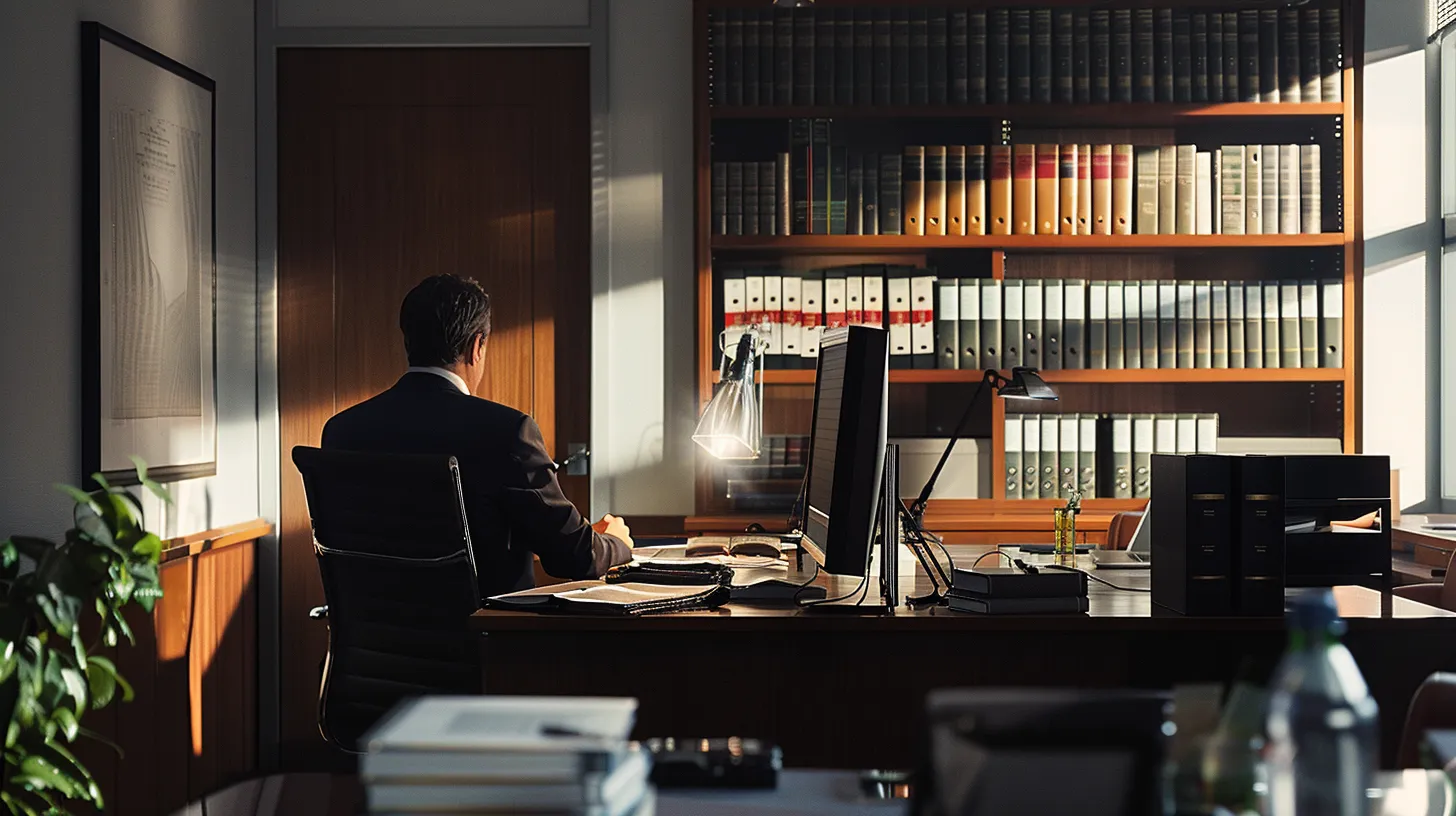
<point x="441" y="318"/>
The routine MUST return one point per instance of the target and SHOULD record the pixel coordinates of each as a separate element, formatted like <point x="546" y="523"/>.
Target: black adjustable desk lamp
<point x="1024" y="384"/>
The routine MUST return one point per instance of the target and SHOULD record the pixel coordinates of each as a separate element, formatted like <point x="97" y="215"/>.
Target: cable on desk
<point x="799" y="590"/>
<point x="986" y="555"/>
<point x="1065" y="568"/>
<point x="860" y="590"/>
<point x="949" y="559"/>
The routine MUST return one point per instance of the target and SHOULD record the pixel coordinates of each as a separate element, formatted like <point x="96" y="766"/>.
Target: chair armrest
<point x="319" y="613"/>
<point x="1428" y="594"/>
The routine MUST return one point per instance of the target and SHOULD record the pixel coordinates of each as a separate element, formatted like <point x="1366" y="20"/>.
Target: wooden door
<point x="397" y="164"/>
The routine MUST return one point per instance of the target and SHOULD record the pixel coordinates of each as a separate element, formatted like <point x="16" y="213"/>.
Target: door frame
<point x="269" y="39"/>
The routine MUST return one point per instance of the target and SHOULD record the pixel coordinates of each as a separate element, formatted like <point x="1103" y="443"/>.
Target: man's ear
<point x="477" y="353"/>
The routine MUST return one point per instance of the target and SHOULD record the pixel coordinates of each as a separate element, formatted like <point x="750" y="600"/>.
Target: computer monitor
<point x="847" y="448"/>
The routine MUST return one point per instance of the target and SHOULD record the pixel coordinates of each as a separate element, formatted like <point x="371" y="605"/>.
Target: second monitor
<point x="847" y="448"/>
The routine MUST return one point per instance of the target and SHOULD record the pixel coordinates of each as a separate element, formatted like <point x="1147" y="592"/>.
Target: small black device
<point x="727" y="762"/>
<point x="847" y="448"/>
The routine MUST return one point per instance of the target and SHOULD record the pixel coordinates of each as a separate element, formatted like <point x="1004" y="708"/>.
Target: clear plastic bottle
<point x="1323" y="734"/>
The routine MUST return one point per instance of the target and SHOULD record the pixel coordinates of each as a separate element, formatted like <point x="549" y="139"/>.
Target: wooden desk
<point x="1429" y="548"/>
<point x="847" y="691"/>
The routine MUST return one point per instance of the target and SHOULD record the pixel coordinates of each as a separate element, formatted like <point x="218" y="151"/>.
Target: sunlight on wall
<point x="637" y="414"/>
<point x="1395" y="343"/>
<point x="1395" y="144"/>
<point x="1394" y="330"/>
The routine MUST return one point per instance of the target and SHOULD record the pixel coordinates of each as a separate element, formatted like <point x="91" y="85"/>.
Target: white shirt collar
<point x="443" y="372"/>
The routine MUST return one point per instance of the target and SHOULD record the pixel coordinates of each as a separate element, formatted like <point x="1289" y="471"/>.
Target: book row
<point x="957" y="56"/>
<point x="976" y="323"/>
<point x="1052" y="456"/>
<point x="1022" y="189"/>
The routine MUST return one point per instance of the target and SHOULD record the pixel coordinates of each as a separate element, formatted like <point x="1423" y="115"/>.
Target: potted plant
<point x="61" y="603"/>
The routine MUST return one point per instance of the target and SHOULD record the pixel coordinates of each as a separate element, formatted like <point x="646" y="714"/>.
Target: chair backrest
<point x="399" y="577"/>
<point x="1122" y="528"/>
<point x="991" y="751"/>
<point x="1448" y="585"/>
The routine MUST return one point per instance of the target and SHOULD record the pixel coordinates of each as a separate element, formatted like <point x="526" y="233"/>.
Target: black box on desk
<point x="1192" y="534"/>
<point x="1258" y="555"/>
<point x="1319" y="490"/>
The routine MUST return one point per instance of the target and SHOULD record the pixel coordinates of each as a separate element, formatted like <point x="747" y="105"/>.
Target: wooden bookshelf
<point x="1268" y="401"/>
<point x="841" y="244"/>
<point x="771" y="376"/>
<point x="1111" y="114"/>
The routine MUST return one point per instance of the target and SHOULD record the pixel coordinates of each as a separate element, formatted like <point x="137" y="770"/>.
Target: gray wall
<point x="40" y="267"/>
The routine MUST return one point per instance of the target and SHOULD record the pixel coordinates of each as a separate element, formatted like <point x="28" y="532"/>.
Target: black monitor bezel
<point x="863" y="430"/>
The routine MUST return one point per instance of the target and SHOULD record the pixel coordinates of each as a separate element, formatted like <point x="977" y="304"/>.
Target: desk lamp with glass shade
<point x="731" y="426"/>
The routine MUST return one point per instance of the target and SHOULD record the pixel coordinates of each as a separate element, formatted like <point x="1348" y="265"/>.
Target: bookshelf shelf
<point x="1040" y="243"/>
<point x="1158" y="376"/>
<point x="1111" y="114"/>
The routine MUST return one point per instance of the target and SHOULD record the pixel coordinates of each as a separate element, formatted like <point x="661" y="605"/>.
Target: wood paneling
<point x="396" y="164"/>
<point x="192" y="728"/>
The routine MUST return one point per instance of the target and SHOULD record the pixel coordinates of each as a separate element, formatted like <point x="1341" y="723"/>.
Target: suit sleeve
<point x="542" y="518"/>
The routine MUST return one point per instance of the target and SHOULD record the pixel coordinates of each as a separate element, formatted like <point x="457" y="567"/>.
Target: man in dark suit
<point x="513" y="502"/>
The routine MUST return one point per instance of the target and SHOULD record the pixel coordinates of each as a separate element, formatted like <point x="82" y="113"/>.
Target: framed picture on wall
<point x="150" y="262"/>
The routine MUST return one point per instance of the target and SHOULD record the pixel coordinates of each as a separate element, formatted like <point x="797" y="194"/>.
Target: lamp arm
<point x="992" y="378"/>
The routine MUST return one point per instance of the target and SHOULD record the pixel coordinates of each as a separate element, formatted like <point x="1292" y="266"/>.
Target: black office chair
<point x="399" y="578"/>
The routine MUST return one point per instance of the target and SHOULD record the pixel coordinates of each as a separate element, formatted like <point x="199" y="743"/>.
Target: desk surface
<point x="1108" y="608"/>
<point x="810" y="793"/>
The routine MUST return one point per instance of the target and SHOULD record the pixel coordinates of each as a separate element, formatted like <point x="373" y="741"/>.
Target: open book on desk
<point x="768" y="546"/>
<point x="598" y="598"/>
<point x="677" y="556"/>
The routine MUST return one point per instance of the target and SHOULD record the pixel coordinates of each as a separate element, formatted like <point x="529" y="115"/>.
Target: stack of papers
<point x="537" y="755"/>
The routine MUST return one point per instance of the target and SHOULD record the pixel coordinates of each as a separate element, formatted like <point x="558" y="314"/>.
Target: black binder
<point x="1192" y="534"/>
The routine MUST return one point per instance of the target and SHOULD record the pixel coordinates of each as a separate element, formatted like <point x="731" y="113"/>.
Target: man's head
<point x="446" y="323"/>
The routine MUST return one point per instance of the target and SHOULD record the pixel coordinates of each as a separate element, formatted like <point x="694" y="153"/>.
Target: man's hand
<point x="614" y="526"/>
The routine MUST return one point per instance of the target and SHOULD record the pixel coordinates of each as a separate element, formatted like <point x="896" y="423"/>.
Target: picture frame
<point x="149" y="262"/>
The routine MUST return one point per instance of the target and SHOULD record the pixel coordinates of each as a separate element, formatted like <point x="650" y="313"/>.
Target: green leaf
<point x="8" y="662"/>
<point x="66" y="720"/>
<point x="147" y="597"/>
<point x="127" y="694"/>
<point x="81" y="497"/>
<point x="141" y="466"/>
<point x="16" y="806"/>
<point x="75" y="686"/>
<point x="101" y="480"/>
<point x="35" y="549"/>
<point x="63" y="759"/>
<point x="61" y="604"/>
<point x="149" y="547"/>
<point x="43" y="774"/>
<point x="101" y="678"/>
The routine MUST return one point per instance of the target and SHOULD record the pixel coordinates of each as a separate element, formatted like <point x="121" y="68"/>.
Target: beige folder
<point x="1048" y="194"/>
<point x="1000" y="217"/>
<point x="1102" y="189"/>
<point x="912" y="190"/>
<point x="935" y="190"/>
<point x="1068" y="186"/>
<point x="1023" y="189"/>
<point x="1122" y="189"/>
